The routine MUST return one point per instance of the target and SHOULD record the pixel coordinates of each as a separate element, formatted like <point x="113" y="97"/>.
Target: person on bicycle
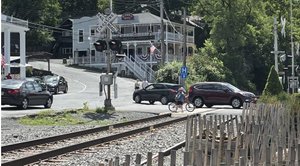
<point x="180" y="97"/>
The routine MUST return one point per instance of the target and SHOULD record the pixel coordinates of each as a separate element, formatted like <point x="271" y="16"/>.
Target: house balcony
<point x="169" y="36"/>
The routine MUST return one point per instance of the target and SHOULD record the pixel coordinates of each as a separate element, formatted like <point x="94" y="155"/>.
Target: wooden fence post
<point x="117" y="161"/>
<point x="199" y="158"/>
<point x="186" y="156"/>
<point x="160" y="158"/>
<point x="173" y="157"/>
<point x="127" y="160"/>
<point x="138" y="159"/>
<point x="149" y="159"/>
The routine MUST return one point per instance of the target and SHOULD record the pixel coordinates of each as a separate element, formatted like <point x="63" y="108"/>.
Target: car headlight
<point x="248" y="94"/>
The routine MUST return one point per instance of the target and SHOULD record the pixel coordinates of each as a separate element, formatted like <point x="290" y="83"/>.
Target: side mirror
<point x="226" y="90"/>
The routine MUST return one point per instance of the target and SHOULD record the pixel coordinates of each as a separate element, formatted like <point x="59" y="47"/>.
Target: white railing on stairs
<point x="148" y="72"/>
<point x="140" y="69"/>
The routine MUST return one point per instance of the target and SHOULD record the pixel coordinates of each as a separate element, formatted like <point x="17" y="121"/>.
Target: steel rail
<point x="60" y="151"/>
<point x="27" y="144"/>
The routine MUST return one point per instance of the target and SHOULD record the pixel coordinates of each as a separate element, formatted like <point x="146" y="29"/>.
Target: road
<point x="84" y="87"/>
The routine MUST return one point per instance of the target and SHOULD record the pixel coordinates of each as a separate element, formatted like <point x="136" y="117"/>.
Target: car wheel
<point x="236" y="103"/>
<point x="24" y="104"/>
<point x="151" y="102"/>
<point x="66" y="89"/>
<point x="137" y="99"/>
<point x="208" y="105"/>
<point x="164" y="100"/>
<point x="48" y="103"/>
<point x="198" y="102"/>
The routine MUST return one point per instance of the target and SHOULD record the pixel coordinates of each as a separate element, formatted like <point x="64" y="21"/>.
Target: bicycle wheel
<point x="189" y="107"/>
<point x="172" y="107"/>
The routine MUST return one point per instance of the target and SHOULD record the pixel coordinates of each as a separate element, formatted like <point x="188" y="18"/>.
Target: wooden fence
<point x="264" y="135"/>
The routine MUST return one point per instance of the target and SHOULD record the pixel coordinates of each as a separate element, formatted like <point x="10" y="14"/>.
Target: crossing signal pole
<point x="108" y="46"/>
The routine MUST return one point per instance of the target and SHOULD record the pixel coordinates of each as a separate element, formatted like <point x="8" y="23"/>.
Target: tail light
<point x="190" y="90"/>
<point x="13" y="91"/>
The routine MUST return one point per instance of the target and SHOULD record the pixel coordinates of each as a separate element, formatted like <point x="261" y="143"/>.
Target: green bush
<point x="290" y="101"/>
<point x="273" y="85"/>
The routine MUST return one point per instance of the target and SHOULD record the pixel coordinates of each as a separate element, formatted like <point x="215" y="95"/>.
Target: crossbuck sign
<point x="107" y="22"/>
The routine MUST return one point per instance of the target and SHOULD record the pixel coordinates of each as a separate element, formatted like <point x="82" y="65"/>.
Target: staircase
<point x="139" y="68"/>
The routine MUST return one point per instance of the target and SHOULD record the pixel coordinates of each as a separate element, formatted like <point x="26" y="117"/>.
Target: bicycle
<point x="173" y="107"/>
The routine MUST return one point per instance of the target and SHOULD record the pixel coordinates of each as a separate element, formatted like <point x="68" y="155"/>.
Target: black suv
<point x="163" y="92"/>
<point x="218" y="93"/>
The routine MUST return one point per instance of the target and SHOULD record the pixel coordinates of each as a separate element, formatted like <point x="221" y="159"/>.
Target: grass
<point x="83" y="116"/>
<point x="291" y="101"/>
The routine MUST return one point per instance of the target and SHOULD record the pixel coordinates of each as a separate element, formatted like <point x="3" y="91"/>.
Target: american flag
<point x="152" y="49"/>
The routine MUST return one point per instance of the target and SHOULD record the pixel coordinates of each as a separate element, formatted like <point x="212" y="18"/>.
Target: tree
<point x="241" y="35"/>
<point x="273" y="85"/>
<point x="40" y="14"/>
<point x="81" y="8"/>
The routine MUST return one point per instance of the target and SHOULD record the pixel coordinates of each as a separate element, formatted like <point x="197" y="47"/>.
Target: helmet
<point x="181" y="89"/>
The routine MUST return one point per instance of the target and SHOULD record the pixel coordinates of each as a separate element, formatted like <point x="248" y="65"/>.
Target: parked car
<point x="23" y="93"/>
<point x="56" y="83"/>
<point x="38" y="80"/>
<point x="163" y="92"/>
<point x="218" y="93"/>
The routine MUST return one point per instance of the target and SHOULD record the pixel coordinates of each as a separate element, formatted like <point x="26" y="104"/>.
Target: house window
<point x="80" y="35"/>
<point x="93" y="53"/>
<point x="156" y="28"/>
<point x="92" y="32"/>
<point x="67" y="50"/>
<point x="142" y="29"/>
<point x="126" y="30"/>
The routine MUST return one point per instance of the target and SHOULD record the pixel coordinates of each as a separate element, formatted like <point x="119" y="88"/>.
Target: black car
<point x="56" y="83"/>
<point x="23" y="93"/>
<point x="163" y="92"/>
<point x="218" y="93"/>
<point x="38" y="80"/>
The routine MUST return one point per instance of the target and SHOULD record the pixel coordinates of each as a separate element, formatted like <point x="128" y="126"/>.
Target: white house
<point x="10" y="25"/>
<point x="138" y="32"/>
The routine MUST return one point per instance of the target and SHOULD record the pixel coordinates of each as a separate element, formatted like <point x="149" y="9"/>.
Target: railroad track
<point x="41" y="149"/>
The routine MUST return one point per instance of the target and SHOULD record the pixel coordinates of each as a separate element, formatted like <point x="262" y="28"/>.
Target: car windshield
<point x="11" y="84"/>
<point x="233" y="88"/>
<point x="51" y="79"/>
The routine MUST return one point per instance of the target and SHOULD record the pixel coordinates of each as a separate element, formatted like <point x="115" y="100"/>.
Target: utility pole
<point x="162" y="33"/>
<point x="292" y="47"/>
<point x="184" y="51"/>
<point x="275" y="45"/>
<point x="276" y="52"/>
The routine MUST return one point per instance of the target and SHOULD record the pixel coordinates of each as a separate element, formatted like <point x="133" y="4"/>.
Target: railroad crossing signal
<point x="107" y="22"/>
<point x="114" y="45"/>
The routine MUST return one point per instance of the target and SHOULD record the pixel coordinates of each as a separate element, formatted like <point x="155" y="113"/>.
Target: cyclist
<point x="180" y="97"/>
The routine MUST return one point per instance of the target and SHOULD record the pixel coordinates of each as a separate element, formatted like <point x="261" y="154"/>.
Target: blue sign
<point x="183" y="72"/>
